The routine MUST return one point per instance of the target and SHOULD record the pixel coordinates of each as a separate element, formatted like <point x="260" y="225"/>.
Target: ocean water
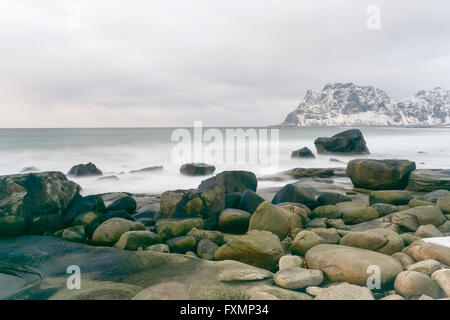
<point x="116" y="151"/>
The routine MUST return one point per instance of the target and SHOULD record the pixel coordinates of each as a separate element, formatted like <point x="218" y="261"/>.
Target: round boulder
<point x="197" y="169"/>
<point x="234" y="221"/>
<point x="413" y="283"/>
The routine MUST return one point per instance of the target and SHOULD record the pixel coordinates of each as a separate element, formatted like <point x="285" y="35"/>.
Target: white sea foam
<point x="118" y="151"/>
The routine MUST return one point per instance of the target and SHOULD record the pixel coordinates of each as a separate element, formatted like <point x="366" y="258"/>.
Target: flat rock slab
<point x="34" y="267"/>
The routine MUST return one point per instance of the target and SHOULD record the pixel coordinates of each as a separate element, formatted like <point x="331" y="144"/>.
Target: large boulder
<point x="234" y="221"/>
<point x="304" y="152"/>
<point x="84" y="170"/>
<point x="395" y="197"/>
<point x="429" y="180"/>
<point x="347" y="142"/>
<point x="33" y="195"/>
<point x="125" y="203"/>
<point x="381" y="240"/>
<point x="413" y="283"/>
<point x="110" y="231"/>
<point x="271" y="218"/>
<point x="249" y="201"/>
<point x="422" y="250"/>
<point x="413" y="218"/>
<point x="258" y="248"/>
<point x="197" y="169"/>
<point x="231" y="181"/>
<point x="296" y="194"/>
<point x="347" y="264"/>
<point x="379" y="174"/>
<point x="91" y="203"/>
<point x="205" y="204"/>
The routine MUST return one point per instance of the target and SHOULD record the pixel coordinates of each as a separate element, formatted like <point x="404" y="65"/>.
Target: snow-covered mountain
<point x="347" y="104"/>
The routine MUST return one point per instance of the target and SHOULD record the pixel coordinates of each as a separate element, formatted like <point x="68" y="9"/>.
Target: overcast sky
<point x="226" y="62"/>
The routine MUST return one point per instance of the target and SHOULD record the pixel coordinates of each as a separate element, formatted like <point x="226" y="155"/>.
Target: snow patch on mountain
<point x="352" y="105"/>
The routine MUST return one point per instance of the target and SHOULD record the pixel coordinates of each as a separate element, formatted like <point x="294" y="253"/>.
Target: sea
<point x="117" y="151"/>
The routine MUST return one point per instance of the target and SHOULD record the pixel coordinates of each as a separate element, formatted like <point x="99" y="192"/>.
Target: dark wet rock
<point x="126" y="203"/>
<point x="328" y="198"/>
<point x="429" y="180"/>
<point x="234" y="221"/>
<point x="294" y="193"/>
<point x="45" y="222"/>
<point x="205" y="203"/>
<point x="197" y="169"/>
<point x="147" y="170"/>
<point x="249" y="201"/>
<point x="380" y="174"/>
<point x="347" y="142"/>
<point x="11" y="226"/>
<point x="83" y="205"/>
<point x="35" y="194"/>
<point x="232" y="200"/>
<point x="231" y="181"/>
<point x="84" y="170"/>
<point x="384" y="209"/>
<point x="304" y="152"/>
<point x="258" y="248"/>
<point x="75" y="233"/>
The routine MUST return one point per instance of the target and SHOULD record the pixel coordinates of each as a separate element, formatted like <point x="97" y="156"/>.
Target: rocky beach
<point x="375" y="229"/>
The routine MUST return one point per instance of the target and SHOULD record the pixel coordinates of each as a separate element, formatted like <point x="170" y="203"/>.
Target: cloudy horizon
<point x="167" y="63"/>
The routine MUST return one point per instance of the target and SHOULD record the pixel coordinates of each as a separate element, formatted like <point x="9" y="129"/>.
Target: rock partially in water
<point x="304" y="152"/>
<point x="231" y="181"/>
<point x="147" y="170"/>
<point x="346" y="142"/>
<point x="197" y="169"/>
<point x="85" y="170"/>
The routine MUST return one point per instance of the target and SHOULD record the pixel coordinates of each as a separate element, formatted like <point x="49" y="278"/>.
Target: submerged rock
<point x="147" y="170"/>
